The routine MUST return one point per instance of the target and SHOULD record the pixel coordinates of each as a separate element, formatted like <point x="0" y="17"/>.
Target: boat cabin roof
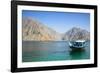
<point x="80" y="41"/>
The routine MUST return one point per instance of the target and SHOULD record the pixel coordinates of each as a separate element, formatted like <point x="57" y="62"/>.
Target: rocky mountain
<point x="37" y="31"/>
<point x="33" y="30"/>
<point x="76" y="34"/>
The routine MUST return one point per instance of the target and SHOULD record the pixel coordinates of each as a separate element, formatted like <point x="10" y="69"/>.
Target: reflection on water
<point x="77" y="54"/>
<point x="51" y="51"/>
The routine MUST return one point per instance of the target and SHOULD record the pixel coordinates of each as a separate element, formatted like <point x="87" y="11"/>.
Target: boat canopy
<point x="80" y="41"/>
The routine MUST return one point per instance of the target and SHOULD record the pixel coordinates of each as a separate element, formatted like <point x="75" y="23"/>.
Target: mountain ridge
<point x="33" y="30"/>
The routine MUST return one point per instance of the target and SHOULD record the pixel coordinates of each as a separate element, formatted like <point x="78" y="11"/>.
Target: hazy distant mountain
<point x="35" y="30"/>
<point x="76" y="34"/>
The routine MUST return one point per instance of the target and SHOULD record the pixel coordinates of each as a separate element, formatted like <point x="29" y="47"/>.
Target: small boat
<point x="77" y="44"/>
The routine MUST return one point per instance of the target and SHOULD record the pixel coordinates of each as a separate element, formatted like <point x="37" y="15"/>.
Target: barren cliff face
<point x="34" y="30"/>
<point x="77" y="34"/>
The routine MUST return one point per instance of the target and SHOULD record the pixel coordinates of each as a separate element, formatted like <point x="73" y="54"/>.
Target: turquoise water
<point x="34" y="51"/>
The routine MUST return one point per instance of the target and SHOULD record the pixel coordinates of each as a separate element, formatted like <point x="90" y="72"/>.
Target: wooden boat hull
<point x="74" y="45"/>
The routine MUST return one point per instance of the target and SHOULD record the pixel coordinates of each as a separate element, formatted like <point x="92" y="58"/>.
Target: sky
<point x="60" y="21"/>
